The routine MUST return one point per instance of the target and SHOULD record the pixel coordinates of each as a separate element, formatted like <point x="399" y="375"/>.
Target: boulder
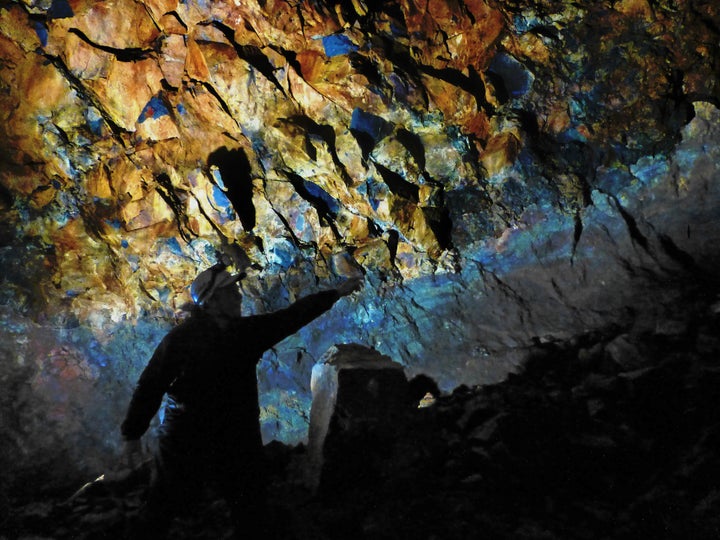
<point x="358" y="394"/>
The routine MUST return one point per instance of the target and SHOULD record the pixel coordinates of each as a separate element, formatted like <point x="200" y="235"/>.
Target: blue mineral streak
<point x="318" y="192"/>
<point x="221" y="200"/>
<point x="370" y="124"/>
<point x="60" y="9"/>
<point x="517" y="78"/>
<point x="174" y="246"/>
<point x="338" y="44"/>
<point x="155" y="108"/>
<point x="42" y="32"/>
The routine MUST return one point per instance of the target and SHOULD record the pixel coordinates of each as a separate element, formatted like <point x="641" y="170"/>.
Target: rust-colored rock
<point x="488" y="166"/>
<point x="117" y="24"/>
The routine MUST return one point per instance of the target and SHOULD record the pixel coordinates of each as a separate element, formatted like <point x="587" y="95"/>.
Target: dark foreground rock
<point x="613" y="434"/>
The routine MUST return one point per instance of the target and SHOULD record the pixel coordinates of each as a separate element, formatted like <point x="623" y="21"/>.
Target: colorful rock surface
<point x="499" y="172"/>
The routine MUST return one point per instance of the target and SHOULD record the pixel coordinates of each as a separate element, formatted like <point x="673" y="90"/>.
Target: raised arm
<point x="276" y="326"/>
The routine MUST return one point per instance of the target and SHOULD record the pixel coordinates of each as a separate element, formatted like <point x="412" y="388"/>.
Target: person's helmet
<point x="210" y="280"/>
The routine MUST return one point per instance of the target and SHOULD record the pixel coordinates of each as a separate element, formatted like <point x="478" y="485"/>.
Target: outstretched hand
<point x="349" y="286"/>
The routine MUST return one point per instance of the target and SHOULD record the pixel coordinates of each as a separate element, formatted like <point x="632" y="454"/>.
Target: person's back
<point x="217" y="381"/>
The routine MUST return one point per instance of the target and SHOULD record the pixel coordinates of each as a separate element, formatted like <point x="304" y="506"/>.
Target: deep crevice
<point x="398" y="185"/>
<point x="438" y="217"/>
<point x="320" y="200"/>
<point x="87" y="95"/>
<point x="471" y="83"/>
<point x="175" y="14"/>
<point x="327" y="134"/>
<point x="290" y="57"/>
<point x="6" y="197"/>
<point x="441" y="225"/>
<point x="367" y="68"/>
<point x="403" y="62"/>
<point x="577" y="234"/>
<point x="223" y="105"/>
<point x="365" y="142"/>
<point x="235" y="170"/>
<point x="635" y="234"/>
<point x="166" y="190"/>
<point x="295" y="240"/>
<point x="676" y="253"/>
<point x="251" y="54"/>
<point x="392" y="243"/>
<point x="374" y="231"/>
<point x="130" y="54"/>
<point x="414" y="145"/>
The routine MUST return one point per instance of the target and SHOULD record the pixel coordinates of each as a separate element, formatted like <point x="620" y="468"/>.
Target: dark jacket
<point x="209" y="372"/>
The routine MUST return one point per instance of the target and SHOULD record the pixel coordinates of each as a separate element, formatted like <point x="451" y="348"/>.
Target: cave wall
<point x="500" y="172"/>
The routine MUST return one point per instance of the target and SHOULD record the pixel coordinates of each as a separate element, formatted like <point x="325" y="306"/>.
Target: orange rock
<point x="414" y="225"/>
<point x="417" y="19"/>
<point x="528" y="45"/>
<point x="472" y="43"/>
<point x="243" y="20"/>
<point x="195" y="65"/>
<point x="97" y="183"/>
<point x="127" y="89"/>
<point x="119" y="24"/>
<point x="500" y="152"/>
<point x="158" y="8"/>
<point x="166" y="156"/>
<point x="412" y="264"/>
<point x="15" y="26"/>
<point x="126" y="180"/>
<point x="584" y="131"/>
<point x="43" y="88"/>
<point x="337" y="80"/>
<point x="202" y="122"/>
<point x="311" y="64"/>
<point x="84" y="60"/>
<point x="374" y="255"/>
<point x="13" y="55"/>
<point x="238" y="83"/>
<point x="634" y="7"/>
<point x="172" y="59"/>
<point x="157" y="129"/>
<point x="558" y="120"/>
<point x="171" y="24"/>
<point x="459" y="107"/>
<point x="442" y="159"/>
<point x="224" y="66"/>
<point x="149" y="210"/>
<point x="70" y="239"/>
<point x="477" y="124"/>
<point x="40" y="97"/>
<point x="466" y="37"/>
<point x="305" y="93"/>
<point x="43" y="196"/>
<point x="353" y="228"/>
<point x="281" y="24"/>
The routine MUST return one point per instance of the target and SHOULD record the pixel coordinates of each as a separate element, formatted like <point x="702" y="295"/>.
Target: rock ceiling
<point x="501" y="172"/>
<point x="140" y="135"/>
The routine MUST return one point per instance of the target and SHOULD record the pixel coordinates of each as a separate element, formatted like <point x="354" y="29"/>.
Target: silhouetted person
<point x="211" y="431"/>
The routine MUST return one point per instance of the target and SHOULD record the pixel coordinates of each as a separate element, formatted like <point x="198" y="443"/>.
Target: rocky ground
<point x="612" y="435"/>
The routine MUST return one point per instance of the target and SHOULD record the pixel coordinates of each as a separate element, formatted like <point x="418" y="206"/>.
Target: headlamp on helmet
<point x="209" y="281"/>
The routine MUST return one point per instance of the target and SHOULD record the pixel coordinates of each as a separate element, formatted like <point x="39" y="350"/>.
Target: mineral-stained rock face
<point x="500" y="171"/>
